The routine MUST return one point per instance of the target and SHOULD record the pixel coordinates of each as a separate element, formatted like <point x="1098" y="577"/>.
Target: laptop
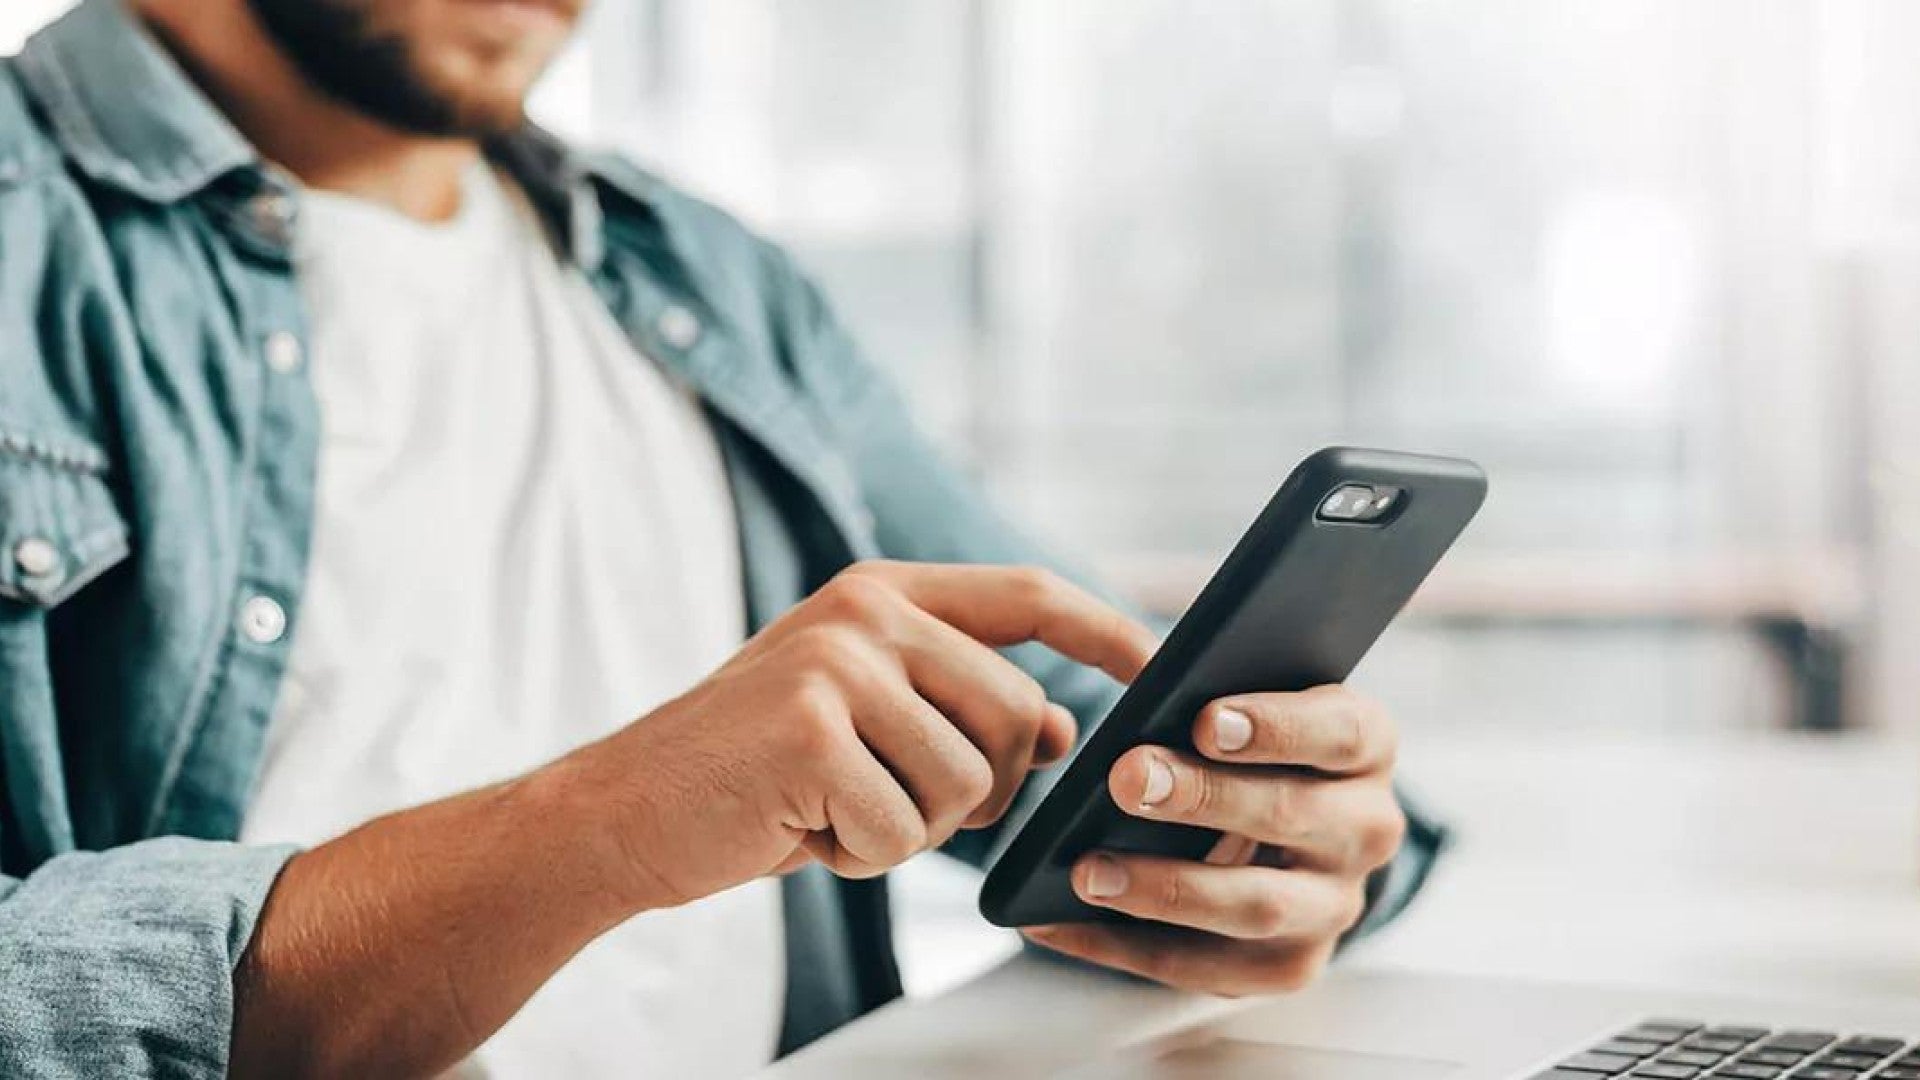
<point x="1038" y="1018"/>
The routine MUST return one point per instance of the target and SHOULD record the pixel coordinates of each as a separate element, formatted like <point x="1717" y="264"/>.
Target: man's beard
<point x="335" y="46"/>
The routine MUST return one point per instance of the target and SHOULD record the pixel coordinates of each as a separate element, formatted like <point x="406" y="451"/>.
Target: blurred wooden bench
<point x="1806" y="607"/>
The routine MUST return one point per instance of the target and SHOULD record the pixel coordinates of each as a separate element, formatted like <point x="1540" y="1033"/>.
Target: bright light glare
<point x="1621" y="273"/>
<point x="19" y="18"/>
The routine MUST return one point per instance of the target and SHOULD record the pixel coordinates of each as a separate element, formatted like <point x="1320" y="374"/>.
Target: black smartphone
<point x="1332" y="559"/>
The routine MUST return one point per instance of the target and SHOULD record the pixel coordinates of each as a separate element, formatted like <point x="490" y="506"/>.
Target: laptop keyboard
<point x="1686" y="1050"/>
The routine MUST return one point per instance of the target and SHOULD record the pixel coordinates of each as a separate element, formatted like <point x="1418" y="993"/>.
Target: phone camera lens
<point x="1350" y="502"/>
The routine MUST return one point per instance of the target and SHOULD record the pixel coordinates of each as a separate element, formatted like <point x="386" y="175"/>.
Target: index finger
<point x="1008" y="605"/>
<point x="1329" y="728"/>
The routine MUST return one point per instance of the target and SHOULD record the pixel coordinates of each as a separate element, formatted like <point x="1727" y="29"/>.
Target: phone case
<point x="1296" y="604"/>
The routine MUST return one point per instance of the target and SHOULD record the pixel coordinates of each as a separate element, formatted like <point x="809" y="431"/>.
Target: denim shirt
<point x="158" y="437"/>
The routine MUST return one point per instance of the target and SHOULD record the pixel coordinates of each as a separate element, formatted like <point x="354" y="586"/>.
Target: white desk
<point x="1771" y="865"/>
<point x="1777" y="864"/>
<point x="1029" y="1019"/>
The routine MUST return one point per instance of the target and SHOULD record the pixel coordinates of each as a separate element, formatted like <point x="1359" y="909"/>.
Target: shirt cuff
<point x="120" y="963"/>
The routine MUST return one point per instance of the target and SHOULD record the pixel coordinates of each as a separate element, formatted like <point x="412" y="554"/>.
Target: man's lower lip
<point x="527" y="13"/>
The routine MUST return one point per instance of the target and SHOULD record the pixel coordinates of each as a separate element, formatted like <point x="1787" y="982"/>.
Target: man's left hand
<point x="1300" y="786"/>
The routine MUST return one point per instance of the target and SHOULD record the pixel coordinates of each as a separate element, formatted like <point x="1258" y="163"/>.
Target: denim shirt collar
<point x="123" y="110"/>
<point x="129" y="117"/>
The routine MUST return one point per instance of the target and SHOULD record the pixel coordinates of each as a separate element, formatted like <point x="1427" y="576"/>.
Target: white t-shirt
<point x="523" y="539"/>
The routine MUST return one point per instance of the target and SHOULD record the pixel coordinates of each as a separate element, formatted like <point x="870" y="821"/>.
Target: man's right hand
<point x="868" y="724"/>
<point x="865" y="725"/>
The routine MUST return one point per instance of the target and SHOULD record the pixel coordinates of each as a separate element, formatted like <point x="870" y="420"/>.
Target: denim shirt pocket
<point x="59" y="528"/>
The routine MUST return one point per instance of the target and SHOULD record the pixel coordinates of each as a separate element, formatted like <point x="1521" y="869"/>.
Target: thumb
<point x="798" y="859"/>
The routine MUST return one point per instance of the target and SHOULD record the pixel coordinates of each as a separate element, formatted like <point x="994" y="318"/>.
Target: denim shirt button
<point x="262" y="620"/>
<point x="36" y="557"/>
<point x="284" y="353"/>
<point x="679" y="327"/>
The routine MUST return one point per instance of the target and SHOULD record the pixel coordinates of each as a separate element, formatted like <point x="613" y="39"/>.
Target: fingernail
<point x="1232" y="729"/>
<point x="1159" y="783"/>
<point x="1105" y="878"/>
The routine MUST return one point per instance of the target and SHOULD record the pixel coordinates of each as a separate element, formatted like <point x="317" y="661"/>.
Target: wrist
<point x="576" y="808"/>
<point x="573" y="840"/>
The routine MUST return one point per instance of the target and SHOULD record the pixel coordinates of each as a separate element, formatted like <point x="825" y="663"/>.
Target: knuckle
<point x="1036" y="586"/>
<point x="1353" y="908"/>
<point x="857" y="596"/>
<point x="818" y="707"/>
<point x="974" y="780"/>
<point x="1029" y="704"/>
<point x="840" y="654"/>
<point x="1381" y="838"/>
<point x="1031" y="699"/>
<point x="818" y="646"/>
<point x="1197" y="792"/>
<point x="1282" y="807"/>
<point x="1267" y="914"/>
<point x="1281" y="727"/>
<point x="909" y="838"/>
<point x="872" y="568"/>
<point x="1296" y="974"/>
<point x="1347" y="735"/>
<point x="1021" y="705"/>
<point x="1170" y="894"/>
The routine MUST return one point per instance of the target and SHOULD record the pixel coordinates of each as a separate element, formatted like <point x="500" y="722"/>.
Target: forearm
<point x="398" y="948"/>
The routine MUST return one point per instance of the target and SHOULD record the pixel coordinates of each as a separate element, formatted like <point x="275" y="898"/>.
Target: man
<point x="369" y="463"/>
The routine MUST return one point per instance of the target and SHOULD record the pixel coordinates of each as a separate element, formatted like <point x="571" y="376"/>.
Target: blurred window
<point x="1132" y="258"/>
<point x="1135" y="257"/>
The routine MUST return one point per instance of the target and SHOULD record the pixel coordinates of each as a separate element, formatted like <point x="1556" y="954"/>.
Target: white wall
<point x="1872" y="206"/>
<point x="18" y="18"/>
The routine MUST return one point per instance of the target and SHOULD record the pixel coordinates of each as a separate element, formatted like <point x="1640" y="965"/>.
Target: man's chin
<point x="471" y="115"/>
<point x="472" y="92"/>
<point x="439" y="79"/>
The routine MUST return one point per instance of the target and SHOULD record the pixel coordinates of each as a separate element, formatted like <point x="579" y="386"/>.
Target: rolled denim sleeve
<point x="927" y="510"/>
<point x="1393" y="886"/>
<point x="120" y="963"/>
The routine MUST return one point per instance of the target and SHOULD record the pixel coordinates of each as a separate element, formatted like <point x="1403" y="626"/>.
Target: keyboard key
<point x="1632" y="1048"/>
<point x="1662" y="1030"/>
<point x="1658" y="1038"/>
<point x="1771" y="1057"/>
<point x="1878" y="1045"/>
<point x="1692" y="1057"/>
<point x="1750" y="1072"/>
<point x="1604" y="1064"/>
<point x="1662" y="1071"/>
<point x="1681" y="1049"/>
<point x="1801" y="1040"/>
